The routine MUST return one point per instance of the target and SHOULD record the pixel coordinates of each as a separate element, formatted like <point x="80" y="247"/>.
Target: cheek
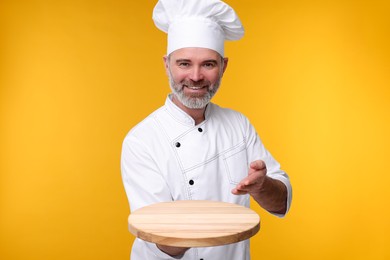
<point x="213" y="77"/>
<point x="178" y="77"/>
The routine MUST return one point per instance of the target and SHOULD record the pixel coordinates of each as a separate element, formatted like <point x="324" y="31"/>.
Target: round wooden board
<point x="195" y="223"/>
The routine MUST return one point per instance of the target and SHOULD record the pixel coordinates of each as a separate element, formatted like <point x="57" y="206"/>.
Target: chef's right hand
<point x="172" y="251"/>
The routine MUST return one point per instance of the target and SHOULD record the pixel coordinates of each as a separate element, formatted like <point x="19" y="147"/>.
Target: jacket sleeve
<point x="257" y="151"/>
<point x="144" y="185"/>
<point x="142" y="180"/>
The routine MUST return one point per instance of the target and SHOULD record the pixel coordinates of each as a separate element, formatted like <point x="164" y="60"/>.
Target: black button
<point x="191" y="182"/>
<point x="177" y="144"/>
<point x="200" y="129"/>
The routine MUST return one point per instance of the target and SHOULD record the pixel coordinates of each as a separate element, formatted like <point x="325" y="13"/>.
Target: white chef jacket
<point x="167" y="157"/>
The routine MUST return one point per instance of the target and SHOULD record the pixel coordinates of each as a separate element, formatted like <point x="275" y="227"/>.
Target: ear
<point x="225" y="63"/>
<point x="166" y="65"/>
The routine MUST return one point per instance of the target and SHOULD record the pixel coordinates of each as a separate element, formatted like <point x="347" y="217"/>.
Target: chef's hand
<point x="172" y="251"/>
<point x="253" y="183"/>
<point x="271" y="194"/>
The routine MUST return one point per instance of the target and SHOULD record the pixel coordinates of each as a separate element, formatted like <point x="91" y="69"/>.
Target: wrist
<point x="272" y="196"/>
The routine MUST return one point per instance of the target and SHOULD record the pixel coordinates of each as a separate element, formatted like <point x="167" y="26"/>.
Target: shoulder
<point x="232" y="119"/>
<point x="227" y="114"/>
<point x="145" y="128"/>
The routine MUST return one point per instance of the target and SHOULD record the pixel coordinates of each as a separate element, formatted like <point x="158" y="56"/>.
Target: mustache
<point x="197" y="84"/>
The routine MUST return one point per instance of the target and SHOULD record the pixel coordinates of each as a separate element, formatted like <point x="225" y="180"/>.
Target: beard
<point x="194" y="101"/>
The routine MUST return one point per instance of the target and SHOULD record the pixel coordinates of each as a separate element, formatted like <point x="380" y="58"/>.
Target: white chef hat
<point x="197" y="23"/>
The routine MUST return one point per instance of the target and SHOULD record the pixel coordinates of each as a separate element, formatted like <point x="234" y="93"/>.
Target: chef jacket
<point x="166" y="157"/>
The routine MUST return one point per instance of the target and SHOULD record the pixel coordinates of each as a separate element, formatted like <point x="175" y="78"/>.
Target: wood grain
<point x="196" y="223"/>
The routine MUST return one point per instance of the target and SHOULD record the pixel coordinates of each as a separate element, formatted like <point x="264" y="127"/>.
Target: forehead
<point x="195" y="54"/>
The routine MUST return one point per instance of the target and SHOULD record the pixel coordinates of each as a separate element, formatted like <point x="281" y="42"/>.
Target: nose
<point x="196" y="74"/>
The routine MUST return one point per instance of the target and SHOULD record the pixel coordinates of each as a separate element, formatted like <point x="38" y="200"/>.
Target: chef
<point x="190" y="148"/>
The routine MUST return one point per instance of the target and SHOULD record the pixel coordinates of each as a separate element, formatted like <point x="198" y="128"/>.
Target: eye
<point x="209" y="65"/>
<point x="184" y="64"/>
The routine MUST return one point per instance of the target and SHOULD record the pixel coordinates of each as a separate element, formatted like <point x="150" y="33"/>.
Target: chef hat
<point x="197" y="23"/>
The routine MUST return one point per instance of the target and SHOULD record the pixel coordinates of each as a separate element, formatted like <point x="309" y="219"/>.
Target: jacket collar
<point x="180" y="115"/>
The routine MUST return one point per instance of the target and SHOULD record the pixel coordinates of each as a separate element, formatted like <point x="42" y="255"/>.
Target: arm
<point x="144" y="185"/>
<point x="268" y="185"/>
<point x="269" y="193"/>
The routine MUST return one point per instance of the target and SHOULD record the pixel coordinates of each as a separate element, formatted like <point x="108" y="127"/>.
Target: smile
<point x="194" y="88"/>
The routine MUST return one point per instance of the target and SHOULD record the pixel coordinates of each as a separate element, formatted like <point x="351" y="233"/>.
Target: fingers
<point x="247" y="185"/>
<point x="254" y="180"/>
<point x="242" y="189"/>
<point x="255" y="174"/>
<point x="258" y="165"/>
<point x="245" y="188"/>
<point x="235" y="191"/>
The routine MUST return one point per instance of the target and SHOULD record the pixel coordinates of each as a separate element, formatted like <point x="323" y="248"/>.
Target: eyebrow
<point x="212" y="61"/>
<point x="205" y="61"/>
<point x="182" y="60"/>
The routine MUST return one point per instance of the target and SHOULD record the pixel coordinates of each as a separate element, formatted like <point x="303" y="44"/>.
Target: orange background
<point x="75" y="76"/>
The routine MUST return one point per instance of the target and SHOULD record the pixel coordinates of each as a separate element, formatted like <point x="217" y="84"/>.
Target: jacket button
<point x="177" y="144"/>
<point x="191" y="182"/>
<point x="200" y="129"/>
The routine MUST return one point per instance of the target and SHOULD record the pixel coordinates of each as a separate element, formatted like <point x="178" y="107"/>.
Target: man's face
<point x="195" y="75"/>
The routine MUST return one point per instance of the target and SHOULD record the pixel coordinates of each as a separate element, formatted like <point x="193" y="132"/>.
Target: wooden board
<point x="195" y="223"/>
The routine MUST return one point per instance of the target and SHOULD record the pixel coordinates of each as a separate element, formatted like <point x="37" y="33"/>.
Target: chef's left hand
<point x="253" y="183"/>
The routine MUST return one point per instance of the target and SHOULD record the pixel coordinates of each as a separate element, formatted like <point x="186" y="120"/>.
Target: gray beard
<point x="193" y="102"/>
